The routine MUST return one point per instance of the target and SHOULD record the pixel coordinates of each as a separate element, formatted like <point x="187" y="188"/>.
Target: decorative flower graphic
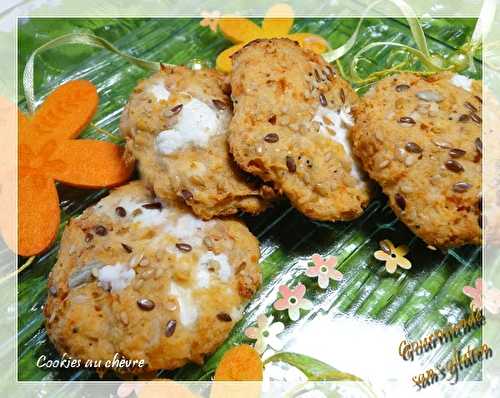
<point x="324" y="270"/>
<point x="126" y="389"/>
<point x="292" y="300"/>
<point x="393" y="256"/>
<point x="489" y="297"/>
<point x="210" y="19"/>
<point x="266" y="333"/>
<point x="49" y="152"/>
<point x="277" y="23"/>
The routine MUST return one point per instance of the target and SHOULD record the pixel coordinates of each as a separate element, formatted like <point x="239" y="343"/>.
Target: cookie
<point x="420" y="139"/>
<point x="148" y="281"/>
<point x="175" y="125"/>
<point x="291" y="123"/>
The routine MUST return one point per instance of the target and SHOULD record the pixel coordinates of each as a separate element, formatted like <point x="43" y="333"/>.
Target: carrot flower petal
<point x="65" y="112"/>
<point x="278" y="20"/>
<point x="89" y="164"/>
<point x="239" y="30"/>
<point x="38" y="214"/>
<point x="223" y="61"/>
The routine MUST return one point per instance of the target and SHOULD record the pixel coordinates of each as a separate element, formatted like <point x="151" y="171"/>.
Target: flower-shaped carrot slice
<point x="48" y="153"/>
<point x="277" y="23"/>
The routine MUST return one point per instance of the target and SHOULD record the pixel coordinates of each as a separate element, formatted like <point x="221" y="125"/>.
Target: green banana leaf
<point x="421" y="299"/>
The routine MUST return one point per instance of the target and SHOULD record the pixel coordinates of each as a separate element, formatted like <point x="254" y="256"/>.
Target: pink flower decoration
<point x="126" y="389"/>
<point x="266" y="334"/>
<point x="324" y="270"/>
<point x="489" y="297"/>
<point x="292" y="300"/>
<point x="210" y="19"/>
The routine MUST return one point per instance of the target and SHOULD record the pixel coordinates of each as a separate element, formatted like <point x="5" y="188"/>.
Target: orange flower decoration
<point x="277" y="23"/>
<point x="48" y="153"/>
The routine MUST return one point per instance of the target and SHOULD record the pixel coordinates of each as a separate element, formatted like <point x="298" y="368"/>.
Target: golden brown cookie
<point x="420" y="139"/>
<point x="148" y="281"/>
<point x="291" y="123"/>
<point x="175" y="125"/>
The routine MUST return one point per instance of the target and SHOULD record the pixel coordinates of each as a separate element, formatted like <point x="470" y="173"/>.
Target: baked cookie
<point x="148" y="281"/>
<point x="175" y="125"/>
<point x="420" y="139"/>
<point x="291" y="123"/>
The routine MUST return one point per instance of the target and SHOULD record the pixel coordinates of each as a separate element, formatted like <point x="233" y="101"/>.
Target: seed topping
<point x="146" y="304"/>
<point x="224" y="317"/>
<point x="170" y="328"/>
<point x="402" y="87"/>
<point x="153" y="206"/>
<point x="272" y="138"/>
<point x="413" y="147"/>
<point x="127" y="248"/>
<point x="400" y="201"/>
<point x="322" y="99"/>
<point x="469" y="106"/>
<point x="407" y="120"/>
<point x="476" y="118"/>
<point x="478" y="143"/>
<point x="461" y="187"/>
<point x="290" y="164"/>
<point x="184" y="247"/>
<point x="454" y="166"/>
<point x="186" y="195"/>
<point x="101" y="230"/>
<point x="220" y="105"/>
<point x="456" y="153"/>
<point x="429" y="96"/>
<point x="176" y="109"/>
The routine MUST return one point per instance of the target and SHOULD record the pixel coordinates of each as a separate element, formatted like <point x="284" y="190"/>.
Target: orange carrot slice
<point x="239" y="30"/>
<point x="47" y="153"/>
<point x="278" y="20"/>
<point x="223" y="62"/>
<point x="65" y="112"/>
<point x="240" y="363"/>
<point x="38" y="214"/>
<point x="89" y="164"/>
